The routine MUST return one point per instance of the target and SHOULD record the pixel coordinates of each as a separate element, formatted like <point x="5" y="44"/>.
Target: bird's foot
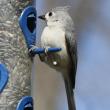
<point x="32" y="48"/>
<point x="46" y="50"/>
<point x="54" y="62"/>
<point x="43" y="56"/>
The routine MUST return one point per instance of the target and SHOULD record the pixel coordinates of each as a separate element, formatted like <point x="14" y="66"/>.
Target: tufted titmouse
<point x="59" y="33"/>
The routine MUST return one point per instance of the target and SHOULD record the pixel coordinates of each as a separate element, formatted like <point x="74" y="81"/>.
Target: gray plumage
<point x="60" y="33"/>
<point x="13" y="54"/>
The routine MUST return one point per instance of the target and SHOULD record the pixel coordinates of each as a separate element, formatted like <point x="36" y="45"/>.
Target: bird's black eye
<point x="50" y="13"/>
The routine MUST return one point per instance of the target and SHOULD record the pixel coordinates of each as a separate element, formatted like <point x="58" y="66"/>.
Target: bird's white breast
<point x="55" y="37"/>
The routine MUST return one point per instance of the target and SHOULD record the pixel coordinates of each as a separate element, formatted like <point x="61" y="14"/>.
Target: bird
<point x="59" y="32"/>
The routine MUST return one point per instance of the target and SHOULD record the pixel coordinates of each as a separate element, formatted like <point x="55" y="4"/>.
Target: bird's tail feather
<point x="70" y="93"/>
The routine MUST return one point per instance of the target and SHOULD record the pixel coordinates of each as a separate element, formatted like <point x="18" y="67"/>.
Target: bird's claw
<point x="46" y="50"/>
<point x="32" y="48"/>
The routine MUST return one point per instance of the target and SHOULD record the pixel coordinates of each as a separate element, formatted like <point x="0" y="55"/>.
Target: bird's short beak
<point x="42" y="17"/>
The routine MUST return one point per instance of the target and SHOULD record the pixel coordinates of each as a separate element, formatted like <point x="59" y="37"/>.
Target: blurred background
<point x="92" y="92"/>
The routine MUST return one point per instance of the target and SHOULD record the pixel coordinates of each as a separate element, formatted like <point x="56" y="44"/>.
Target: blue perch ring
<point x="26" y="103"/>
<point x="27" y="22"/>
<point x="3" y="77"/>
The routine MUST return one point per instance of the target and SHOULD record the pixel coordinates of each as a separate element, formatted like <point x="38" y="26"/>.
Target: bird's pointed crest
<point x="61" y="8"/>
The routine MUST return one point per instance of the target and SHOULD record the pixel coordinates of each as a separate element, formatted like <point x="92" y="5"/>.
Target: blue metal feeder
<point x="3" y="77"/>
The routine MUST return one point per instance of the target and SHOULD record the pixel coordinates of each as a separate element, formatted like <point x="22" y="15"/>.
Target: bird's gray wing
<point x="72" y="50"/>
